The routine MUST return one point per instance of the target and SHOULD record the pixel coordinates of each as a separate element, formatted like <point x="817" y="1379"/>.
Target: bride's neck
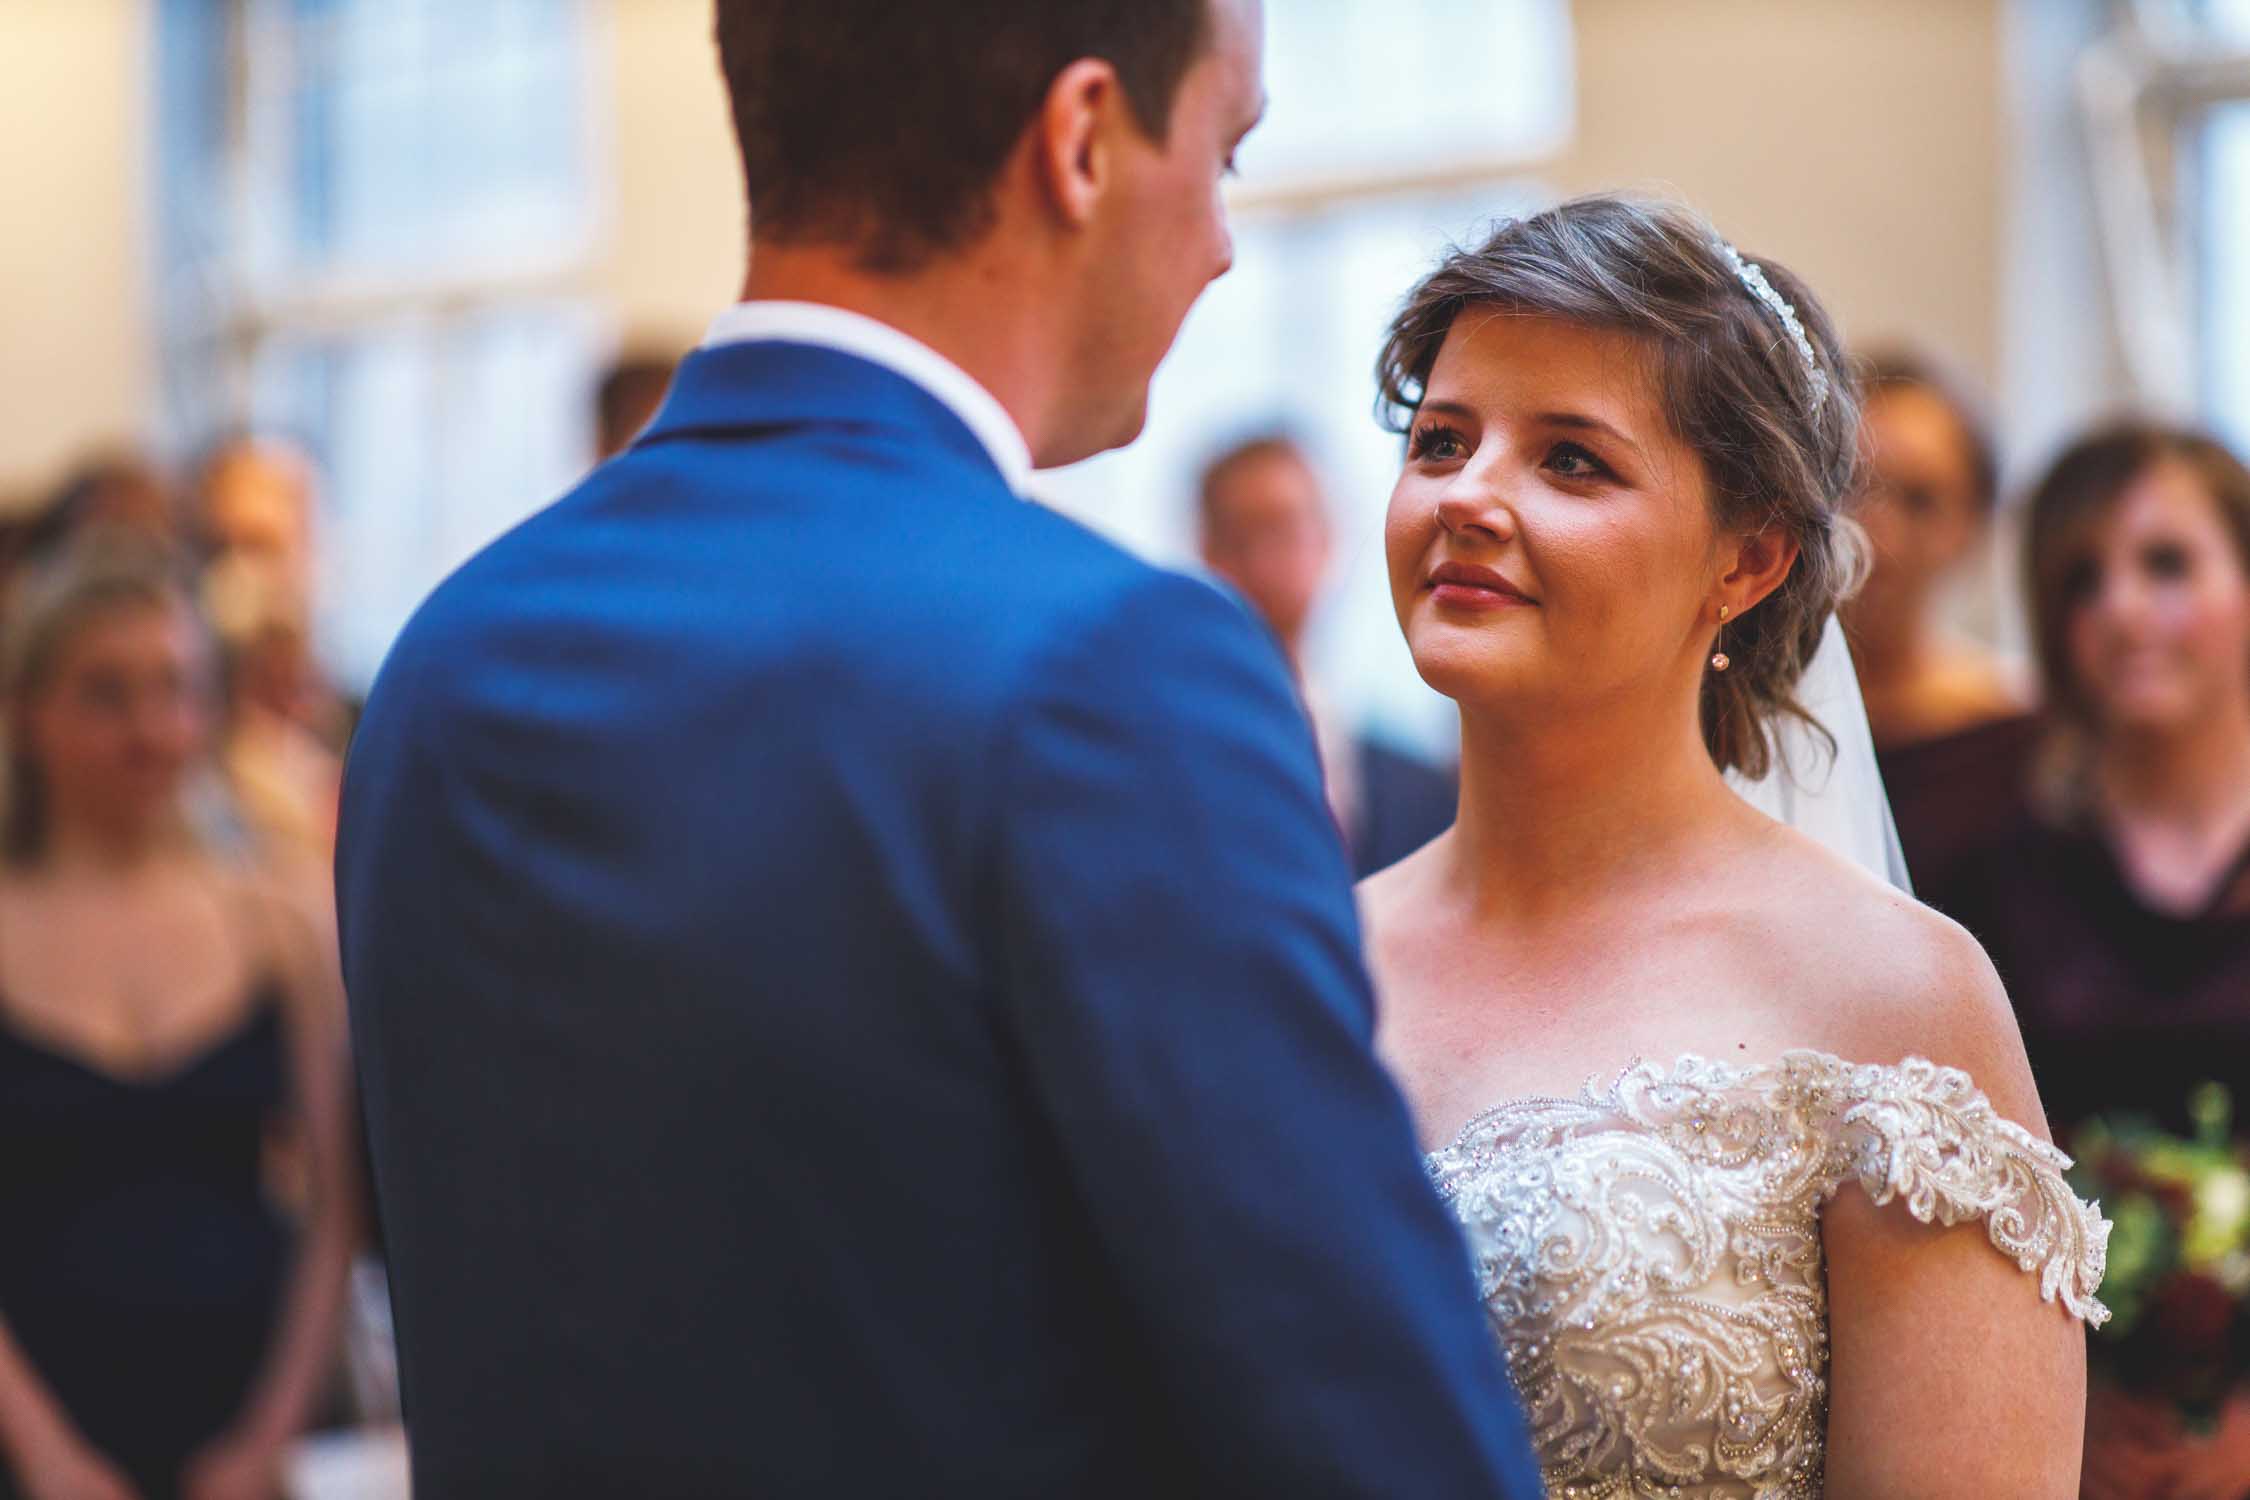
<point x="1553" y="812"/>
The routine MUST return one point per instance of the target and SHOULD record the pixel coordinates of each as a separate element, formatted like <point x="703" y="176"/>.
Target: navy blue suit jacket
<point x="857" y="993"/>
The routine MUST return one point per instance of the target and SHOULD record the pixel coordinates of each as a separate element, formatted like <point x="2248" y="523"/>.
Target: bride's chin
<point x="1472" y="677"/>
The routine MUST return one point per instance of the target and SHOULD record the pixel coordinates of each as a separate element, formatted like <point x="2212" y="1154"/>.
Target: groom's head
<point x="1067" y="152"/>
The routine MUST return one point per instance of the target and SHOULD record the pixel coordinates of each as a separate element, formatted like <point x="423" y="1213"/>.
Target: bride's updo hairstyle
<point x="1767" y="406"/>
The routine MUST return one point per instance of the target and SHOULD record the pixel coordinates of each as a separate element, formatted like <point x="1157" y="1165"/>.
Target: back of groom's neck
<point x="964" y="307"/>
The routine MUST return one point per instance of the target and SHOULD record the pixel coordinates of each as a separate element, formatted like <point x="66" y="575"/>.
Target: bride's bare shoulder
<point x="1876" y="975"/>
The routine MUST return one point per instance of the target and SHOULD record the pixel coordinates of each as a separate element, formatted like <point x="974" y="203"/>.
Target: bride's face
<point x="1550" y="539"/>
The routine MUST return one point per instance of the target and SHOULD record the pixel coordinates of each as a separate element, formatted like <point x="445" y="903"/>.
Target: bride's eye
<point x="1573" y="462"/>
<point x="1435" y="440"/>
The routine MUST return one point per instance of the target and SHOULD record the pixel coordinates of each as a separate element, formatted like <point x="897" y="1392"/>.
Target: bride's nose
<point x="1476" y="511"/>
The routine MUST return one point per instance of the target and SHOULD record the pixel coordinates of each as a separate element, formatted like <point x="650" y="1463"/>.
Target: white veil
<point x="1838" y="800"/>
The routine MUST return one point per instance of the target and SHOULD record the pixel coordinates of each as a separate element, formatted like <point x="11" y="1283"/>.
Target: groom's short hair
<point x="880" y="126"/>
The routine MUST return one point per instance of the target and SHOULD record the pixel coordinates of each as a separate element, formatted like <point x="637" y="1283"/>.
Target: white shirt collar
<point x="902" y="354"/>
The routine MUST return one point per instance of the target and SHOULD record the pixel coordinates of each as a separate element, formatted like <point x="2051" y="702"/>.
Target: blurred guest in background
<point x="114" y="491"/>
<point x="1950" y="726"/>
<point x="164" y="1009"/>
<point x="19" y="518"/>
<point x="283" y="727"/>
<point x="252" y="511"/>
<point x="1929" y="484"/>
<point x="628" y="395"/>
<point x="1265" y="529"/>
<point x="2118" y="911"/>
<point x="277" y="741"/>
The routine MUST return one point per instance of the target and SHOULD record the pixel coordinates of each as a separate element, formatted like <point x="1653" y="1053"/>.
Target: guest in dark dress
<point x="1951" y="731"/>
<point x="165" y="1012"/>
<point x="1265" y="530"/>
<point x="2118" y="911"/>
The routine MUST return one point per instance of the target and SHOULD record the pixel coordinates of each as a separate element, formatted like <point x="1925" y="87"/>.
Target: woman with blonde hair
<point x="165" y="1010"/>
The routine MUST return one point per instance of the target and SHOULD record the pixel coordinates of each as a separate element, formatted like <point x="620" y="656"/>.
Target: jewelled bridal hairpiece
<point x="1753" y="276"/>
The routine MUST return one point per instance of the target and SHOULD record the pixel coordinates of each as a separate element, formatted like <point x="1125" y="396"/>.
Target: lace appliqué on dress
<point x="1650" y="1254"/>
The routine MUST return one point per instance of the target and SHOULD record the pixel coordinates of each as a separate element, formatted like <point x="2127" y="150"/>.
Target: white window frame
<point x="224" y="305"/>
<point x="2144" y="93"/>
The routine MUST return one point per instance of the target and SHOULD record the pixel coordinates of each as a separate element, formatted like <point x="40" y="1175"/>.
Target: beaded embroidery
<point x="1649" y="1254"/>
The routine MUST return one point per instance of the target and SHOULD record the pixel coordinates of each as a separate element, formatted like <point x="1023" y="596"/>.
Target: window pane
<point x="416" y="134"/>
<point x="2230" y="18"/>
<point x="2226" y="270"/>
<point x="358" y="257"/>
<point x="433" y="438"/>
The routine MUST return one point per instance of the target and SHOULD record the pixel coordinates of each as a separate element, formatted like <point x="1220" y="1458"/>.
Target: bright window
<point x="373" y="214"/>
<point x="2226" y="271"/>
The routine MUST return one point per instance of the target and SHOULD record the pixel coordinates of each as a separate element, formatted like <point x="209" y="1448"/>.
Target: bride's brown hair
<point x="1778" y="433"/>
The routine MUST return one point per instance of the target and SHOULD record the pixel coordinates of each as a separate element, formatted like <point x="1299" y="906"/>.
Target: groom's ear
<point x="1759" y="566"/>
<point x="1070" y="144"/>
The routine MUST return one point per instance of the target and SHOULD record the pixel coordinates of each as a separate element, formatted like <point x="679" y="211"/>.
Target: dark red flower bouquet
<point x="2179" y="1253"/>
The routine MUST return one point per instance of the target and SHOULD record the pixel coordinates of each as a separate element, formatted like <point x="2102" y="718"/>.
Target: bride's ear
<point x="1760" y="565"/>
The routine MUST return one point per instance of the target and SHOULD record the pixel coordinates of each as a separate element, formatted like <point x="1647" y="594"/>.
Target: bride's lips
<point x="1460" y="585"/>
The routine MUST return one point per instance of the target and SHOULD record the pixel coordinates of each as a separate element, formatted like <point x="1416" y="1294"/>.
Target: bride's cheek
<point x="1406" y="538"/>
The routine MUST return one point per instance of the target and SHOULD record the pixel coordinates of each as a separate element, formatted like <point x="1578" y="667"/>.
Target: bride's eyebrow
<point x="1453" y="409"/>
<point x="1581" y="422"/>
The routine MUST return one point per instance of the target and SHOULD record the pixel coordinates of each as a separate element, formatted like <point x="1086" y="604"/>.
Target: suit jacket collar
<point x="849" y="332"/>
<point x="768" y="363"/>
<point x="741" y="388"/>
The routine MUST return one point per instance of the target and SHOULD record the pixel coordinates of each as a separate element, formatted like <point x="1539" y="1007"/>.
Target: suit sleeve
<point x="1183" y="973"/>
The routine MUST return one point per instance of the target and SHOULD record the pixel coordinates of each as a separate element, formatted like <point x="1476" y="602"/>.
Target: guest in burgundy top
<point x="2125" y="1004"/>
<point x="2117" y="908"/>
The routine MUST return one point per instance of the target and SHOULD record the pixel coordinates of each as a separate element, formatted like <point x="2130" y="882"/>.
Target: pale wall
<point x="677" y="242"/>
<point x="1860" y="143"/>
<point x="75" y="352"/>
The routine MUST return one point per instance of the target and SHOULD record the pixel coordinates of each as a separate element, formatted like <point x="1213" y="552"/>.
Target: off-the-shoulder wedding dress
<point x="1649" y="1253"/>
